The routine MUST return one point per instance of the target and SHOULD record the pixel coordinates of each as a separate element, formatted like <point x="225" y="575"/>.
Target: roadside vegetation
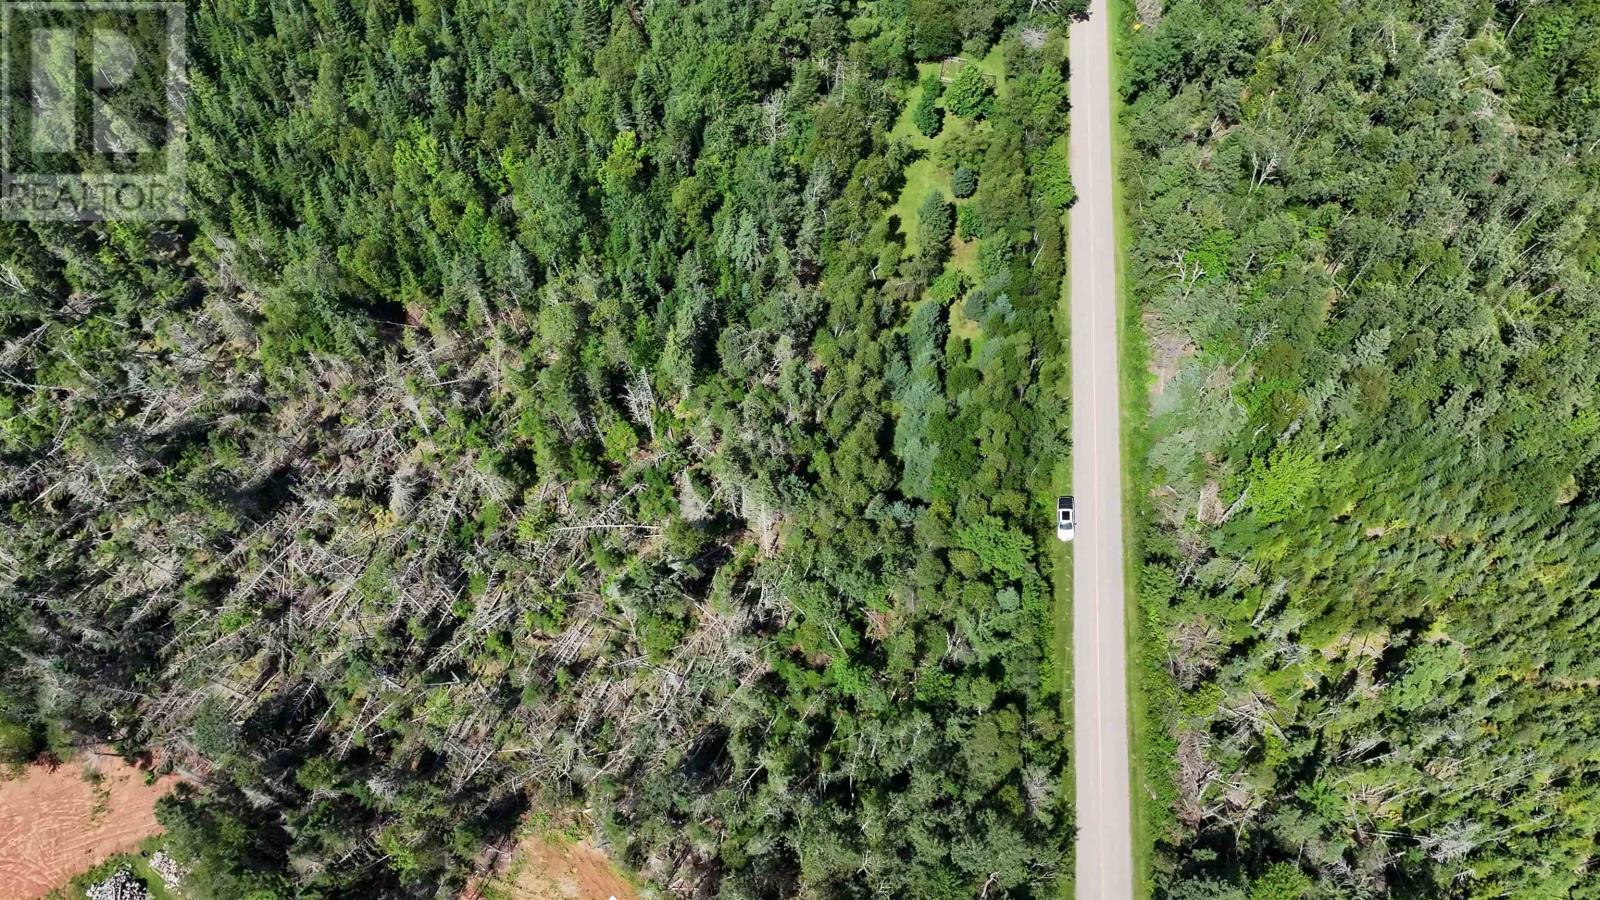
<point x="553" y="403"/>
<point x="1151" y="696"/>
<point x="1364" y="241"/>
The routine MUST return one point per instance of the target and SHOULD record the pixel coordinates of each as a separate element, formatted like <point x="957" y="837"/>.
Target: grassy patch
<point x="138" y="861"/>
<point x="964" y="254"/>
<point x="993" y="63"/>
<point x="904" y="128"/>
<point x="922" y="178"/>
<point x="963" y="327"/>
<point x="925" y="175"/>
<point x="1061" y="554"/>
<point x="1150" y="694"/>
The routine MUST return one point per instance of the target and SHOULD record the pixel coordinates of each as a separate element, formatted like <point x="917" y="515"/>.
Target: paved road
<point x="1099" y="650"/>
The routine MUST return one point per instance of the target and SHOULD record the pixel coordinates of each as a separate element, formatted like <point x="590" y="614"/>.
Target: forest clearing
<point x="554" y="867"/>
<point x="58" y="820"/>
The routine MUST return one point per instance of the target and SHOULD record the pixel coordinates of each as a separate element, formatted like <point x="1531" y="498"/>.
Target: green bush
<point x="934" y="32"/>
<point x="949" y="285"/>
<point x="964" y="182"/>
<point x="970" y="96"/>
<point x="1054" y="176"/>
<point x="935" y="221"/>
<point x="18" y="742"/>
<point x="927" y="115"/>
<point x="935" y="225"/>
<point x="969" y="224"/>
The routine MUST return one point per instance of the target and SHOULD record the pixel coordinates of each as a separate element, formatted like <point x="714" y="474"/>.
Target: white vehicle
<point x="1064" y="519"/>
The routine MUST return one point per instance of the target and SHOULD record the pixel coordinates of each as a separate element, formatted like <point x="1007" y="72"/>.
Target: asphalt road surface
<point x="1104" y="868"/>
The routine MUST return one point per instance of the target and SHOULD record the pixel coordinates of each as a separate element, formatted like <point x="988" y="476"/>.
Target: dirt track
<point x="56" y="823"/>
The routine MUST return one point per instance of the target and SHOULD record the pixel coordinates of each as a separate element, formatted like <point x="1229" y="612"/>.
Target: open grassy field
<point x="925" y="175"/>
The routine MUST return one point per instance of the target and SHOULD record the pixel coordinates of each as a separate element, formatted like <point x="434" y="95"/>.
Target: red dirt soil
<point x="55" y="822"/>
<point x="553" y="869"/>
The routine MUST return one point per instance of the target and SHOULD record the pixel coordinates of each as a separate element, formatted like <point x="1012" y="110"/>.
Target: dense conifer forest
<point x="1367" y="256"/>
<point x="610" y="404"/>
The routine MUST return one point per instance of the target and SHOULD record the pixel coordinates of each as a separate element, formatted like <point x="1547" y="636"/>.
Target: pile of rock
<point x="171" y="873"/>
<point x="122" y="885"/>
